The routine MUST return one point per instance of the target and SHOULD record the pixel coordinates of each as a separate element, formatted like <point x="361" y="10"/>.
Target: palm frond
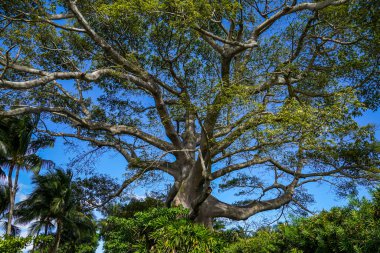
<point x="4" y="199"/>
<point x="36" y="226"/>
<point x="51" y="200"/>
<point x="3" y="147"/>
<point x="35" y="163"/>
<point x="42" y="141"/>
<point x="2" y="173"/>
<point x="15" y="230"/>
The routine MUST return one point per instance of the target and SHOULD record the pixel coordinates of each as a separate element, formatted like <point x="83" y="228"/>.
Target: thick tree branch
<point x="54" y="76"/>
<point x="129" y="66"/>
<point x="61" y="16"/>
<point x="77" y="120"/>
<point x="118" y="145"/>
<point x="223" y="171"/>
<point x="292" y="9"/>
<point x="221" y="209"/>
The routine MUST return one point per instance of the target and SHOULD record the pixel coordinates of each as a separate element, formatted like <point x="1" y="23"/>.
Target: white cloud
<point x="21" y="197"/>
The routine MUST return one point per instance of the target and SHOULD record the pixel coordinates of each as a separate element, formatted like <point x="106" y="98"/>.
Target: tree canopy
<point x="259" y="96"/>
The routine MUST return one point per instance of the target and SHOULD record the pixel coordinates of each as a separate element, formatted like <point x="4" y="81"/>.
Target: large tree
<point x="259" y="96"/>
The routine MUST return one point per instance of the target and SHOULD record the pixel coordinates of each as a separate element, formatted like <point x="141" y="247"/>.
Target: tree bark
<point x="57" y="239"/>
<point x="11" y="200"/>
<point x="191" y="191"/>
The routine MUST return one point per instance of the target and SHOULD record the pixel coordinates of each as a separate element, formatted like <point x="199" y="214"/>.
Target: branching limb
<point x="54" y="76"/>
<point x="221" y="209"/>
<point x="221" y="172"/>
<point x="292" y="9"/>
<point x="128" y="65"/>
<point x="77" y="120"/>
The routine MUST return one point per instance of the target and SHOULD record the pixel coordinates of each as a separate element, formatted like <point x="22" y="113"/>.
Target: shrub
<point x="159" y="230"/>
<point x="13" y="244"/>
<point x="355" y="228"/>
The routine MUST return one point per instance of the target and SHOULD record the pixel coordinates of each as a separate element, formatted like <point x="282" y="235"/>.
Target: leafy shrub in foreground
<point x="355" y="228"/>
<point x="13" y="244"/>
<point x="159" y="230"/>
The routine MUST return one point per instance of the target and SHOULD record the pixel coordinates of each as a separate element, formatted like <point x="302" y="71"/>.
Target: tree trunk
<point x="46" y="230"/>
<point x="192" y="193"/>
<point x="34" y="240"/>
<point x="57" y="238"/>
<point x="11" y="200"/>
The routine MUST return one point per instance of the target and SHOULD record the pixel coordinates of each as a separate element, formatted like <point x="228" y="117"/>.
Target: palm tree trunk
<point x="57" y="238"/>
<point x="46" y="229"/>
<point x="11" y="200"/>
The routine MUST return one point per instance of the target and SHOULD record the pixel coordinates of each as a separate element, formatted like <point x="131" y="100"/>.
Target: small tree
<point x="53" y="200"/>
<point x="19" y="148"/>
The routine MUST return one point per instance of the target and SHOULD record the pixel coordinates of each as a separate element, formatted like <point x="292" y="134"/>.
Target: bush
<point x="264" y="241"/>
<point x="42" y="243"/>
<point x="355" y="228"/>
<point x="13" y="244"/>
<point x="159" y="230"/>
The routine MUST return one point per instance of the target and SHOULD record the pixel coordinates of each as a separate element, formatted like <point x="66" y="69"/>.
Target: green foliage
<point x="42" y="243"/>
<point x="4" y="199"/>
<point x="81" y="237"/>
<point x="184" y="236"/>
<point x="355" y="228"/>
<point x="224" y="70"/>
<point x="53" y="199"/>
<point x="93" y="189"/>
<point x="13" y="244"/>
<point x="264" y="241"/>
<point x="82" y="244"/>
<point x="158" y="230"/>
<point x="134" y="205"/>
<point x="19" y="143"/>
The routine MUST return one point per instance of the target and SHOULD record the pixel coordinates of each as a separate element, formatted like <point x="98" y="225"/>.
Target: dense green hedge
<point x="159" y="230"/>
<point x="351" y="229"/>
<point x="13" y="244"/>
<point x="355" y="228"/>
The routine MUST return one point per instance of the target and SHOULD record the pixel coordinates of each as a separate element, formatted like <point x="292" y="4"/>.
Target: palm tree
<point x="4" y="208"/>
<point x="53" y="200"/>
<point x="18" y="147"/>
<point x="4" y="200"/>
